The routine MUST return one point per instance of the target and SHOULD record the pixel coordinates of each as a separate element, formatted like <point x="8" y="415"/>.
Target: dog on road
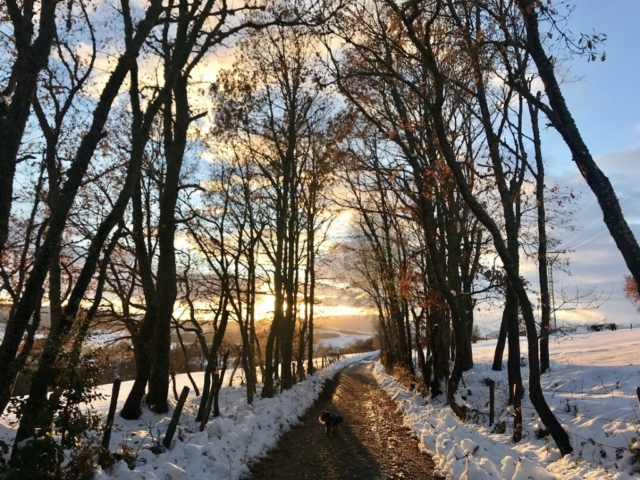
<point x="331" y="421"/>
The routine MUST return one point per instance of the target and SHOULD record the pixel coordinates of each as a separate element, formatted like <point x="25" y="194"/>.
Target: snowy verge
<point x="240" y="435"/>
<point x="458" y="450"/>
<point x="470" y="451"/>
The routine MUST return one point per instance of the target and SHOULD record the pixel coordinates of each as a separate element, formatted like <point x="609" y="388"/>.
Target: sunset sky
<point x="605" y="101"/>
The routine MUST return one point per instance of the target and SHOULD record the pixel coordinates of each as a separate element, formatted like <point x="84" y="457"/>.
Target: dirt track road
<point x="372" y="444"/>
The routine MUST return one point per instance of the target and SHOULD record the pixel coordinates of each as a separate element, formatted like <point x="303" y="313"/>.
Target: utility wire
<point x="596" y="221"/>
<point x="602" y="232"/>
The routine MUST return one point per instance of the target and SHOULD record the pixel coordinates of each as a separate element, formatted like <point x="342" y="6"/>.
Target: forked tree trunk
<point x="543" y="263"/>
<point x="212" y="363"/>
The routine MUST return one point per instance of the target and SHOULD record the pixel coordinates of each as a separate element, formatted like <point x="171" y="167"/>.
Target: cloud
<point x="626" y="162"/>
<point x="596" y="265"/>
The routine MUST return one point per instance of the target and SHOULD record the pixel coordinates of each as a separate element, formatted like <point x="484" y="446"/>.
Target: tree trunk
<point x="186" y="362"/>
<point x="267" y="387"/>
<point x="561" y="118"/>
<point x="175" y="141"/>
<point x="131" y="409"/>
<point x="312" y="291"/>
<point x="31" y="58"/>
<point x="543" y="263"/>
<point x="212" y="363"/>
<point x="142" y="338"/>
<point x="11" y="371"/>
<point x="15" y="328"/>
<point x="502" y="341"/>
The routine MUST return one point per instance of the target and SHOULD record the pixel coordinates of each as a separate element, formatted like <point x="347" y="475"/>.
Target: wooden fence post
<point x="492" y="401"/>
<point x="106" y="438"/>
<point x="175" y="418"/>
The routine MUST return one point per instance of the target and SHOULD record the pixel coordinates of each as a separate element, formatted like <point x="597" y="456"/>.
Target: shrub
<point x="69" y="448"/>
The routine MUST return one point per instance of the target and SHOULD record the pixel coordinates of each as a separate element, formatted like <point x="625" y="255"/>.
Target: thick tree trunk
<point x="131" y="409"/>
<point x="460" y="362"/>
<point x="144" y="335"/>
<point x="562" y="120"/>
<point x="31" y="58"/>
<point x="175" y="141"/>
<point x="57" y="220"/>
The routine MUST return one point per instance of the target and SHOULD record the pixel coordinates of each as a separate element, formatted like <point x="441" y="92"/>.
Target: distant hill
<point x="355" y="323"/>
<point x="45" y="316"/>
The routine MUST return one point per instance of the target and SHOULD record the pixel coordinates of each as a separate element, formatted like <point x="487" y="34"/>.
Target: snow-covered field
<point x="592" y="389"/>
<point x="339" y="338"/>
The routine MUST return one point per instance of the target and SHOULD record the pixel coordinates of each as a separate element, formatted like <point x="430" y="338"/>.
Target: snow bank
<point x="242" y="433"/>
<point x="592" y="389"/>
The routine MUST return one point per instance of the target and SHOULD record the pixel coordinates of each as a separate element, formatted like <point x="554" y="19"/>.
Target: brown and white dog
<point x="331" y="421"/>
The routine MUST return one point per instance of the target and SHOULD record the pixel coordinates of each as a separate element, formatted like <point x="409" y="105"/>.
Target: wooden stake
<point x="175" y="418"/>
<point x="492" y="399"/>
<point x="106" y="438"/>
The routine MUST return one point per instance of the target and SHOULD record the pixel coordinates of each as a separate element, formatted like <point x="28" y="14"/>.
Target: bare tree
<point x="558" y="113"/>
<point x="56" y="223"/>
<point x="274" y="111"/>
<point x="32" y="55"/>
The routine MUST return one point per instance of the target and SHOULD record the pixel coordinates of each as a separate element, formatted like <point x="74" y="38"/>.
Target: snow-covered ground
<point x="591" y="388"/>
<point x="239" y="435"/>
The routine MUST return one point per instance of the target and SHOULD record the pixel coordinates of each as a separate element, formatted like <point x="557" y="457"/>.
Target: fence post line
<point x="106" y="438"/>
<point x="175" y="418"/>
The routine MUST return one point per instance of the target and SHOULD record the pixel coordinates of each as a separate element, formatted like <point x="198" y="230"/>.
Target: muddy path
<point x="372" y="443"/>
